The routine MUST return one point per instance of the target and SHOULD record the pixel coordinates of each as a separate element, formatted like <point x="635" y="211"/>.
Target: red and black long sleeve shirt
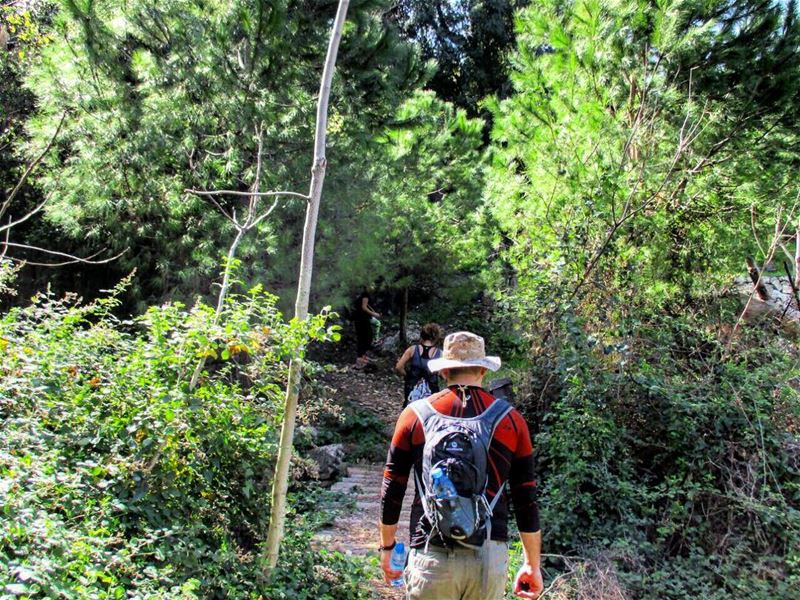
<point x="510" y="460"/>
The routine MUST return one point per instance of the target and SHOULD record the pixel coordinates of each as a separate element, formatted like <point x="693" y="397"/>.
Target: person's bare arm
<point x="368" y="309"/>
<point x="388" y="533"/>
<point x="528" y="583"/>
<point x="400" y="367"/>
<point x="522" y="485"/>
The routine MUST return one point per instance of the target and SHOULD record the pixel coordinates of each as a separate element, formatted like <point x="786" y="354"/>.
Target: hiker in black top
<point x="362" y="313"/>
<point x="413" y="364"/>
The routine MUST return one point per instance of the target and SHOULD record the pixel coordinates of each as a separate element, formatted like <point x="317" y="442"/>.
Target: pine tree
<point x="162" y="97"/>
<point x="637" y="140"/>
<point x="468" y="40"/>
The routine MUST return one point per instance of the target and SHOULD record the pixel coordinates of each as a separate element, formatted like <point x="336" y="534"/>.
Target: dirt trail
<point x="356" y="533"/>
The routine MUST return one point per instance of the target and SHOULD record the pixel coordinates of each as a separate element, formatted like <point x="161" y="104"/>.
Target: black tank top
<point x="418" y="366"/>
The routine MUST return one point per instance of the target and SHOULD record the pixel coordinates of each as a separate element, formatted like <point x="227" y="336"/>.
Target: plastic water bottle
<point x="443" y="488"/>
<point x="397" y="562"/>
<point x="376" y="326"/>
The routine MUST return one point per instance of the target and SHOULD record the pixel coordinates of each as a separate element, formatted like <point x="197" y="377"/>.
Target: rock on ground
<point x="330" y="461"/>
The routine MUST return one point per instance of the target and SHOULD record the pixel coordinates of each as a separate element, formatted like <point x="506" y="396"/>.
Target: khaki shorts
<point x="439" y="574"/>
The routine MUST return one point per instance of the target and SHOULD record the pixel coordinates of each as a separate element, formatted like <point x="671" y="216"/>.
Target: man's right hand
<point x="389" y="574"/>
<point x="528" y="583"/>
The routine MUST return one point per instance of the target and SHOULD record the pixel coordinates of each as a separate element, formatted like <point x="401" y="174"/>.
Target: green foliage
<point x="161" y="97"/>
<point x="119" y="480"/>
<point x="429" y="196"/>
<point x="467" y="40"/>
<point x="619" y="160"/>
<point x="672" y="454"/>
<point x="362" y="431"/>
<point x="24" y="28"/>
<point x="8" y="275"/>
<point x="642" y="147"/>
<point x="418" y="224"/>
<point x="307" y="575"/>
<point x="644" y="150"/>
<point x="24" y="31"/>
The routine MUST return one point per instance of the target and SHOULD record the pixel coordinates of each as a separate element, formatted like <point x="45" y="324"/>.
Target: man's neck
<point x="466" y="380"/>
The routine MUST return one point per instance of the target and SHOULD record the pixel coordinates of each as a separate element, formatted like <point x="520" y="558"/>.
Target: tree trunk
<point x="755" y="277"/>
<point x="241" y="231"/>
<point x="797" y="259"/>
<point x="280" y="481"/>
<point x="404" y="317"/>
<point x="226" y="283"/>
<point x="793" y="285"/>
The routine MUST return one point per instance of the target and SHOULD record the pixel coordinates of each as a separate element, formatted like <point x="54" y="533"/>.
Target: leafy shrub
<point x="670" y="450"/>
<point x="8" y="273"/>
<point x="305" y="574"/>
<point x="117" y="479"/>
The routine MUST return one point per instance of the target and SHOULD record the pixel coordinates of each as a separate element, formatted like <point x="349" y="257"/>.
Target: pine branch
<point x="248" y="194"/>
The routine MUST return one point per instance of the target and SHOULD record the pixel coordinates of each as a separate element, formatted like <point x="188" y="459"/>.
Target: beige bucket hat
<point x="464" y="349"/>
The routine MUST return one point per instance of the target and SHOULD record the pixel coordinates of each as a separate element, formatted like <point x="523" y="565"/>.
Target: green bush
<point x="673" y="453"/>
<point x="118" y="480"/>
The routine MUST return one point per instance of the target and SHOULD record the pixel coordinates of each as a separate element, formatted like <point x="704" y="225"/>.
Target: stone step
<point x="356" y="531"/>
<point x="348" y="482"/>
<point x="360" y="469"/>
<point x="352" y="489"/>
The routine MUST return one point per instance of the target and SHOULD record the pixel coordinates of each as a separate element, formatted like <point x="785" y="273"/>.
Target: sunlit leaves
<point x="117" y="477"/>
<point x="161" y="97"/>
<point x="619" y="135"/>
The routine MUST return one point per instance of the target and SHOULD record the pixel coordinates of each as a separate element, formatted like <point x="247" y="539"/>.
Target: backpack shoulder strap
<point x="415" y="357"/>
<point x="496" y="412"/>
<point x="423" y="410"/>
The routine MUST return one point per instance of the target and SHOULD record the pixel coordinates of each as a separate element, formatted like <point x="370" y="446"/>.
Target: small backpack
<point x="420" y="391"/>
<point x="460" y="447"/>
<point x="419" y="374"/>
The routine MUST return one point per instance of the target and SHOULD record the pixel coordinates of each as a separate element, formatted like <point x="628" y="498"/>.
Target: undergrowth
<point x="669" y="459"/>
<point x="119" y="481"/>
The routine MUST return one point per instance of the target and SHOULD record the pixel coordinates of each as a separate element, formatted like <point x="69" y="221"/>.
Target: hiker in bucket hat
<point x="459" y="517"/>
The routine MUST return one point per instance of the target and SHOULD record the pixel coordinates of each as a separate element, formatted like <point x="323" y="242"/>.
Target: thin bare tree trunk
<point x="220" y="301"/>
<point x="797" y="259"/>
<point x="280" y="481"/>
<point x="793" y="285"/>
<point x="241" y="230"/>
